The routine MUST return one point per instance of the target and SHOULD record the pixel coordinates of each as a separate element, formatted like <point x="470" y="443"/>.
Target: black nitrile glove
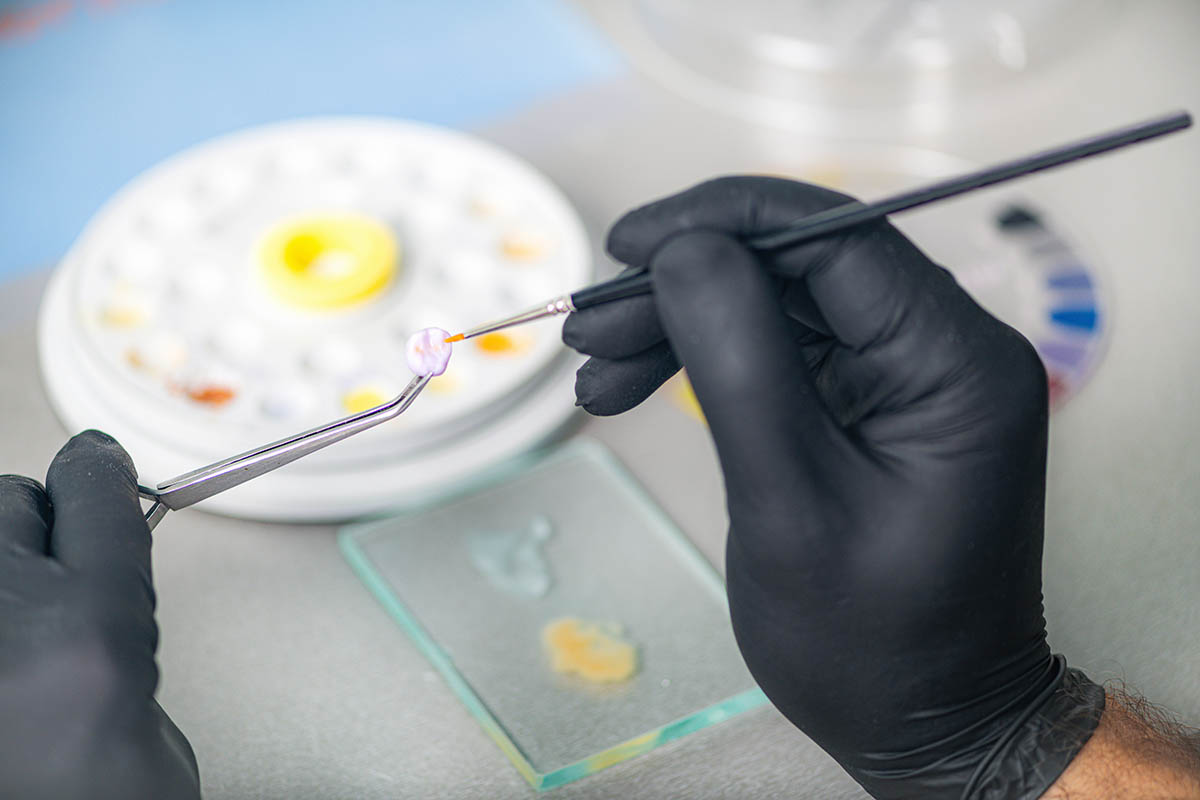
<point x="883" y="442"/>
<point x="78" y="718"/>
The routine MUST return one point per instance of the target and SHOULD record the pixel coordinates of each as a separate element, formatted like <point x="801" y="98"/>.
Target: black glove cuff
<point x="1038" y="746"/>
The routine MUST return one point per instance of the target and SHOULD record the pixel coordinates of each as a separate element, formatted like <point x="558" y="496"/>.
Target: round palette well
<point x="266" y="282"/>
<point x="1012" y="255"/>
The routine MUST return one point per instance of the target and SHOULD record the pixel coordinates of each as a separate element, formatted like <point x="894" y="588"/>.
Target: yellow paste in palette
<point x="446" y="383"/>
<point x="685" y="398"/>
<point x="591" y="651"/>
<point x="483" y="207"/>
<point x="523" y="246"/>
<point x="363" y="398"/>
<point x="328" y="262"/>
<point x="123" y="316"/>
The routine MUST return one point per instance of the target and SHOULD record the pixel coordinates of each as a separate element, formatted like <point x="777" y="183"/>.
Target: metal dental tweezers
<point x="200" y="484"/>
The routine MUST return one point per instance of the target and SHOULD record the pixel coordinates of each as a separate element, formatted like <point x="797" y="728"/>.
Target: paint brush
<point x="844" y="217"/>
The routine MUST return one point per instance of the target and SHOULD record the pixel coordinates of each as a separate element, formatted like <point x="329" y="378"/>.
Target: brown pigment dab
<point x="211" y="395"/>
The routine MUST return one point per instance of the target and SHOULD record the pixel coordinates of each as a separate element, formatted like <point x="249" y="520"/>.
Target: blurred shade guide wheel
<point x="1010" y="251"/>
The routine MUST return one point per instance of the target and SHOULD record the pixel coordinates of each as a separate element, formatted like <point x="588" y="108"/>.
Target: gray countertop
<point x="291" y="681"/>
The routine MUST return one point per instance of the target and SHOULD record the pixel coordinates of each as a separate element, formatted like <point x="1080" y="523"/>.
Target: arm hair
<point x="1139" y="750"/>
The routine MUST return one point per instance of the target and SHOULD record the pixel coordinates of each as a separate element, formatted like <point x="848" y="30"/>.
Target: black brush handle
<point x="618" y="288"/>
<point x="851" y="215"/>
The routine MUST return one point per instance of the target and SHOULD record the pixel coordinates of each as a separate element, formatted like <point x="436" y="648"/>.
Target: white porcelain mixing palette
<point x="161" y="326"/>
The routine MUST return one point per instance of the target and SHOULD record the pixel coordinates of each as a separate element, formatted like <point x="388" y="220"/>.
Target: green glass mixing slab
<point x="475" y="578"/>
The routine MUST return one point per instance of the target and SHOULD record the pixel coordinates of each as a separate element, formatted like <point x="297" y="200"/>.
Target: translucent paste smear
<point x="513" y="561"/>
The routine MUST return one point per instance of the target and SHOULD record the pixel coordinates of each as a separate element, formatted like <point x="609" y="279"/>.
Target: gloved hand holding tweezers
<point x="78" y="718"/>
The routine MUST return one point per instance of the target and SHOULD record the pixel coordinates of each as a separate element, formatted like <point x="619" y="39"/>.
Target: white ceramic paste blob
<point x="427" y="351"/>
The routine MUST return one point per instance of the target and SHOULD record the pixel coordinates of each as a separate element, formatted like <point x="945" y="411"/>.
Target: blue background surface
<point x="92" y="93"/>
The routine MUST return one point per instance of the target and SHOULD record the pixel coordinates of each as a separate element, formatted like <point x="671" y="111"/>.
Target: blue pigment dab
<point x="1082" y="318"/>
<point x="1070" y="280"/>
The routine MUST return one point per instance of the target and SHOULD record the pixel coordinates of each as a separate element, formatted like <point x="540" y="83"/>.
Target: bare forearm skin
<point x="1137" y="751"/>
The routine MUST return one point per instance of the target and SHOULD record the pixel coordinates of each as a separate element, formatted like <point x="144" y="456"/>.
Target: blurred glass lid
<point x="840" y="65"/>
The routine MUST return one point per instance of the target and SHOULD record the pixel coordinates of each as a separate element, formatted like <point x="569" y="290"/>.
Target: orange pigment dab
<point x="134" y="359"/>
<point x="499" y="343"/>
<point x="211" y="395"/>
<point x="593" y="652"/>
